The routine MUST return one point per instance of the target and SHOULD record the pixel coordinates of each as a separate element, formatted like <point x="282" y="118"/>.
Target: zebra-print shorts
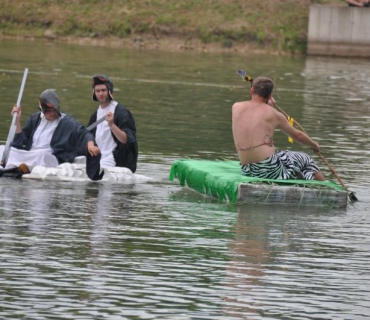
<point x="283" y="164"/>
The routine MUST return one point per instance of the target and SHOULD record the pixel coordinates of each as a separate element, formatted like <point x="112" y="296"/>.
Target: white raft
<point x="77" y="172"/>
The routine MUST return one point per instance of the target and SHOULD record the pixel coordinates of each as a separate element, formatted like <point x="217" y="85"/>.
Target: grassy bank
<point x="273" y="25"/>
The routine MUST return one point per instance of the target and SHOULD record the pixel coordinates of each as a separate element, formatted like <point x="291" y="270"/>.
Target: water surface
<point x="159" y="251"/>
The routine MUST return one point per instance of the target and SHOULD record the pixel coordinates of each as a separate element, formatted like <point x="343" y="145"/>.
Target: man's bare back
<point x="253" y="129"/>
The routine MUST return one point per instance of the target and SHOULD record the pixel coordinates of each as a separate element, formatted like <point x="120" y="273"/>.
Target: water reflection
<point x="266" y="254"/>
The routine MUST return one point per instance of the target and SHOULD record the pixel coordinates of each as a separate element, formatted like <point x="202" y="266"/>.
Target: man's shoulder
<point x="242" y="102"/>
<point x="122" y="110"/>
<point x="239" y="104"/>
<point x="120" y="107"/>
<point x="68" y="119"/>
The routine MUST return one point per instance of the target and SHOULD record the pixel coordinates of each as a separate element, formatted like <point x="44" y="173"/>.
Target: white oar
<point x="13" y="127"/>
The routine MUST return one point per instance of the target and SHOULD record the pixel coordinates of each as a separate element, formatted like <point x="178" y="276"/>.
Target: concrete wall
<point x="339" y="31"/>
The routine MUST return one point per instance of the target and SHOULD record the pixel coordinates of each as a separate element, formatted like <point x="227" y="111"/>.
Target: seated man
<point x="50" y="138"/>
<point x="116" y="136"/>
<point x="253" y="125"/>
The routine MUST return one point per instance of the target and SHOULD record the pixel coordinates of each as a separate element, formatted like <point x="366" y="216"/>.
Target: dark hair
<point x="263" y="86"/>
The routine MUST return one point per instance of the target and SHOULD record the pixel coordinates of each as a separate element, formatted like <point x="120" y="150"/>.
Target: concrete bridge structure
<point x="339" y="31"/>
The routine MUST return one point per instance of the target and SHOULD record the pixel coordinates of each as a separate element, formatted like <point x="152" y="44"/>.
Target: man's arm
<point x="92" y="148"/>
<point x="124" y="129"/>
<point x="118" y="133"/>
<point x="297" y="135"/>
<point x="355" y="3"/>
<point x="18" y="119"/>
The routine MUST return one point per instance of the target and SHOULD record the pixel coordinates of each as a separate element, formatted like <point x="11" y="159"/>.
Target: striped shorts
<point x="283" y="165"/>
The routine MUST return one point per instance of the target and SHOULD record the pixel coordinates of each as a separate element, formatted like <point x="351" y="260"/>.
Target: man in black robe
<point x="115" y="137"/>
<point x="51" y="137"/>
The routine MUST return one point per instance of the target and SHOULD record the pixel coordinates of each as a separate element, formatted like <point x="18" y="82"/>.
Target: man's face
<point x="50" y="114"/>
<point x="101" y="93"/>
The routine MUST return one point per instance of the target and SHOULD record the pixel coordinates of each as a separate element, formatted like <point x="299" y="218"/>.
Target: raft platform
<point x="223" y="180"/>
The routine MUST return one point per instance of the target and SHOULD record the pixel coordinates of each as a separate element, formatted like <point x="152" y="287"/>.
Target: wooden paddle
<point x="352" y="195"/>
<point x="13" y="127"/>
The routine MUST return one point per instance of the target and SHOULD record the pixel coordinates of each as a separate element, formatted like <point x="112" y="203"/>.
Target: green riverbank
<point x="240" y="26"/>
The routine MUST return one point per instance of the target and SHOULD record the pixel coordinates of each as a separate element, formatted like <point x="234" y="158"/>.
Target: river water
<point x="159" y="251"/>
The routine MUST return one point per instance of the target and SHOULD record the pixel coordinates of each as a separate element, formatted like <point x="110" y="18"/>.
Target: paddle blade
<point x="241" y="73"/>
<point x="352" y="197"/>
<point x="244" y="75"/>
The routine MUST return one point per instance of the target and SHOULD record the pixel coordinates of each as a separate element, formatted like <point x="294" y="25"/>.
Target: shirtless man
<point x="358" y="3"/>
<point x="253" y="125"/>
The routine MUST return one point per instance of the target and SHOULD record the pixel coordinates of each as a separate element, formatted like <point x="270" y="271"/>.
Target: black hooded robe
<point x="126" y="154"/>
